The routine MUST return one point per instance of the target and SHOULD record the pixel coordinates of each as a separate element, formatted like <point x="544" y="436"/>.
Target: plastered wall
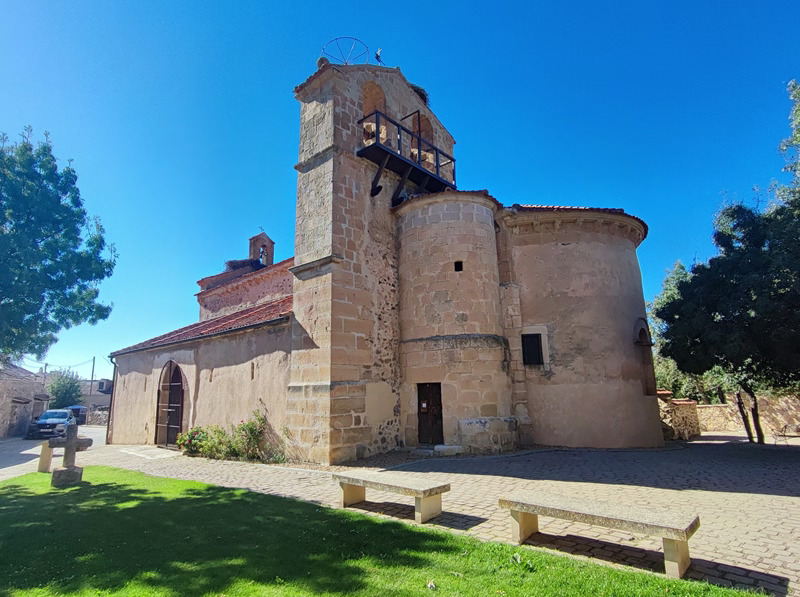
<point x="579" y="277"/>
<point x="227" y="378"/>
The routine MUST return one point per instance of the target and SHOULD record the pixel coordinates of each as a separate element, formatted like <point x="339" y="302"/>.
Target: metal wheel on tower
<point x="346" y="50"/>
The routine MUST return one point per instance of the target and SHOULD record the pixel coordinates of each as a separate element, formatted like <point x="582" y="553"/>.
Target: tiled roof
<point x="607" y="210"/>
<point x="245" y="318"/>
<point x="12" y="371"/>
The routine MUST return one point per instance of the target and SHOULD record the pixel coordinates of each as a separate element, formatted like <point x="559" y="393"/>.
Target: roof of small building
<point x="245" y="318"/>
<point x="9" y="370"/>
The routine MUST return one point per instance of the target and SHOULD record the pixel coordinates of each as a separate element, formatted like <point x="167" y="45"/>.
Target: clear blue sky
<point x="183" y="129"/>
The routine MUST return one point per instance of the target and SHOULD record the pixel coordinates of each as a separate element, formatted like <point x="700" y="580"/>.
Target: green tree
<point x="53" y="255"/>
<point x="706" y="387"/>
<point x="741" y="310"/>
<point x="64" y="389"/>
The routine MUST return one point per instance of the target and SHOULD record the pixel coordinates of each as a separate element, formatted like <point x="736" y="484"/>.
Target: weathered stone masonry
<point x="399" y="315"/>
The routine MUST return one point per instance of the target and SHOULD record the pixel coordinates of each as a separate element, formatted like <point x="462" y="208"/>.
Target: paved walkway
<point x="747" y="496"/>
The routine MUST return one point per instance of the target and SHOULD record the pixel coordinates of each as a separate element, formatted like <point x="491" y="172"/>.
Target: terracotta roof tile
<point x="250" y="316"/>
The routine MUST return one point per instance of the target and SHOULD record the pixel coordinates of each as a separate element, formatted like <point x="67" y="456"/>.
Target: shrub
<point x="246" y="441"/>
<point x="191" y="442"/>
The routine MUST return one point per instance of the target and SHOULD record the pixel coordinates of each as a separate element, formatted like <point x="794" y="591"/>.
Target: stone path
<point x="747" y="496"/>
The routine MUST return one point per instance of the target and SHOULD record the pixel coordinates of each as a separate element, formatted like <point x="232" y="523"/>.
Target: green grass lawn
<point x="126" y="533"/>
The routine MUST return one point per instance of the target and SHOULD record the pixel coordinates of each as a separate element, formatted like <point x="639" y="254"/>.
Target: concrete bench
<point x="427" y="494"/>
<point x="675" y="528"/>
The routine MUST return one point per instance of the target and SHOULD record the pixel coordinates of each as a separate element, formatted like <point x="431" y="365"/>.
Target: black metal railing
<point x="401" y="141"/>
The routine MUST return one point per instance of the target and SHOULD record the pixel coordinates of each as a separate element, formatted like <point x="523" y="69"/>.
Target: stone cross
<point x="68" y="474"/>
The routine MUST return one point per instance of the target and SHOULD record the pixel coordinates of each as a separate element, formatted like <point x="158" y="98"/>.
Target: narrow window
<point x="532" y="349"/>
<point x="458" y="266"/>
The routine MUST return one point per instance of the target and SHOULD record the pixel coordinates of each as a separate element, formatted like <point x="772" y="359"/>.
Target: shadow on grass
<point x="103" y="534"/>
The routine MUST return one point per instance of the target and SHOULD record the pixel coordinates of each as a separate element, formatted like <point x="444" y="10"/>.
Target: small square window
<point x="532" y="349"/>
<point x="458" y="266"/>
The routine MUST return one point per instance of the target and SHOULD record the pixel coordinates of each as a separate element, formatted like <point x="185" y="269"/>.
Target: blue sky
<point x="181" y="123"/>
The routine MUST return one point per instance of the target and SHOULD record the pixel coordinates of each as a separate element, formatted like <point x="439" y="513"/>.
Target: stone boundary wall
<point x="775" y="412"/>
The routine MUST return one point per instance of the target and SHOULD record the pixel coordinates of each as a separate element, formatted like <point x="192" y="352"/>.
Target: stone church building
<point x="412" y="313"/>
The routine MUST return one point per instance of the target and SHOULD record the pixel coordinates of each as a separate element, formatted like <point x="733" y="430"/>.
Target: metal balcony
<point x="394" y="147"/>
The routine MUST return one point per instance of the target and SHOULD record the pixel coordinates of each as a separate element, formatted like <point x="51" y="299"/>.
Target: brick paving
<point x="747" y="496"/>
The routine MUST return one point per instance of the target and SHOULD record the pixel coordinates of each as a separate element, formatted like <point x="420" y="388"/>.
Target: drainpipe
<point x="111" y="402"/>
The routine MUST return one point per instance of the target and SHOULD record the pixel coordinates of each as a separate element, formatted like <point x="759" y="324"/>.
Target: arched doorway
<point x="169" y="413"/>
<point x="645" y="345"/>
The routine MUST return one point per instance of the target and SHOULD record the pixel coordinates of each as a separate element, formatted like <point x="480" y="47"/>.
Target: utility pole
<point x="91" y="383"/>
<point x="44" y="377"/>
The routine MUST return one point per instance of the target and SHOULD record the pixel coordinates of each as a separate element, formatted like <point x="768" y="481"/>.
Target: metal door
<point x="429" y="413"/>
<point x="170" y="406"/>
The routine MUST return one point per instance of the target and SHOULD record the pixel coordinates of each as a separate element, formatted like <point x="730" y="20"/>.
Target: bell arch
<point x="169" y="409"/>
<point x="373" y="98"/>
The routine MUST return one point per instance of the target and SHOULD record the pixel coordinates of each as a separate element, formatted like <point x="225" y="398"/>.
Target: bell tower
<point x="367" y="141"/>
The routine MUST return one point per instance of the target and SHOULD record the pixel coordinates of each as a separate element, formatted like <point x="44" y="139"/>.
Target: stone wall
<point x="578" y="282"/>
<point x="774" y="411"/>
<point x="20" y="401"/>
<point x="719" y="417"/>
<point x="346" y="278"/>
<point x="450" y="319"/>
<point x="226" y="379"/>
<point x="682" y="418"/>
<point x="97" y="416"/>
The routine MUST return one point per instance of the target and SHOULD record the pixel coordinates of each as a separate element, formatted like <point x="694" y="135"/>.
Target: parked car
<point x="80" y="413"/>
<point x="51" y="423"/>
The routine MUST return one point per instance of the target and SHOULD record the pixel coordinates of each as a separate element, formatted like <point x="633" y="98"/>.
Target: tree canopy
<point x="741" y="310"/>
<point x="53" y="254"/>
<point x="64" y="388"/>
<point x="711" y="386"/>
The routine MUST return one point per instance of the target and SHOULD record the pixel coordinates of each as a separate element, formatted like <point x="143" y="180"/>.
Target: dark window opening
<point x="459" y="266"/>
<point x="532" y="349"/>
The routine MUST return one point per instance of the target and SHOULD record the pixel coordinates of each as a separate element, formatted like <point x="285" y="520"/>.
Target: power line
<point x="34" y="361"/>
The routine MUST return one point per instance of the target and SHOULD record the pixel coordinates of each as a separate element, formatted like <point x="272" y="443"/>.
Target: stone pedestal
<point x="45" y="458"/>
<point x="65" y="477"/>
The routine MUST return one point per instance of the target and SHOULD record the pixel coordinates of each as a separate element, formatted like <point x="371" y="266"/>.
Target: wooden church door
<point x="429" y="413"/>
<point x="169" y="417"/>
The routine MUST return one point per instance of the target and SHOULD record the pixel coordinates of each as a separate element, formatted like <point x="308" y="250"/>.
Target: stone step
<point x="437" y="450"/>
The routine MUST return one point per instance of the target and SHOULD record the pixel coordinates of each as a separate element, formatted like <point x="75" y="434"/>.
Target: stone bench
<point x="427" y="494"/>
<point x="675" y="528"/>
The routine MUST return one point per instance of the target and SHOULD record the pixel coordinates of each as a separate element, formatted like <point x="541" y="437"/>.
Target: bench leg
<point x="676" y="557"/>
<point x="523" y="525"/>
<point x="352" y="494"/>
<point x="427" y="507"/>
<point x="45" y="457"/>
